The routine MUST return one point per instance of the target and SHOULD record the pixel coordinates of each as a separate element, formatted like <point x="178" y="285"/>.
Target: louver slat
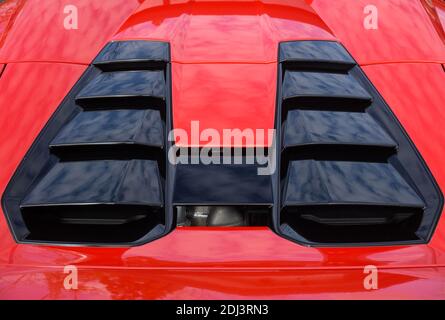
<point x="134" y="182"/>
<point x="312" y="182"/>
<point x="137" y="127"/>
<point x="315" y="55"/>
<point x="307" y="127"/>
<point x="326" y="86"/>
<point x="122" y="55"/>
<point x="114" y="87"/>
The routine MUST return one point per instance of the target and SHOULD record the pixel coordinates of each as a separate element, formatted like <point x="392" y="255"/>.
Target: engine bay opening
<point x="223" y="216"/>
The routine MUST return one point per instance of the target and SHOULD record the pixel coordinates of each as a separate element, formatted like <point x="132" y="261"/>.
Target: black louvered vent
<point x="96" y="173"/>
<point x="349" y="173"/>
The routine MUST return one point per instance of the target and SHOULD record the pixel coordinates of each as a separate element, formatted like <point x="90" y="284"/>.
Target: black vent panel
<point x="348" y="174"/>
<point x="96" y="174"/>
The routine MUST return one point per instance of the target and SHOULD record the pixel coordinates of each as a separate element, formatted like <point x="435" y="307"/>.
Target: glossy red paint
<point x="214" y="72"/>
<point x="224" y="97"/>
<point x="222" y="263"/>
<point x="419" y="107"/>
<point x="439" y="7"/>
<point x="25" y="108"/>
<point x="8" y="12"/>
<point x="37" y="31"/>
<point x="405" y="31"/>
<point x="423" y="283"/>
<point x="436" y="12"/>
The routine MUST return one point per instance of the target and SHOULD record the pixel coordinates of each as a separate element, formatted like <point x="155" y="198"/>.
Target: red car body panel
<point x="36" y="30"/>
<point x="224" y="62"/>
<point x="395" y="40"/>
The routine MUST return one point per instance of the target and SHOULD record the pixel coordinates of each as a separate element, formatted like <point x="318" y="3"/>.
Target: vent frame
<point x="343" y="66"/>
<point x="39" y="159"/>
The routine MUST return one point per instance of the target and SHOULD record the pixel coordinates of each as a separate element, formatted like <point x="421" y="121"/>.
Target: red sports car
<point x="210" y="149"/>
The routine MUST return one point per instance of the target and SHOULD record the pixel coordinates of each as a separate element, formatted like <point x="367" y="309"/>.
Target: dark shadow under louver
<point x="97" y="172"/>
<point x="348" y="172"/>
